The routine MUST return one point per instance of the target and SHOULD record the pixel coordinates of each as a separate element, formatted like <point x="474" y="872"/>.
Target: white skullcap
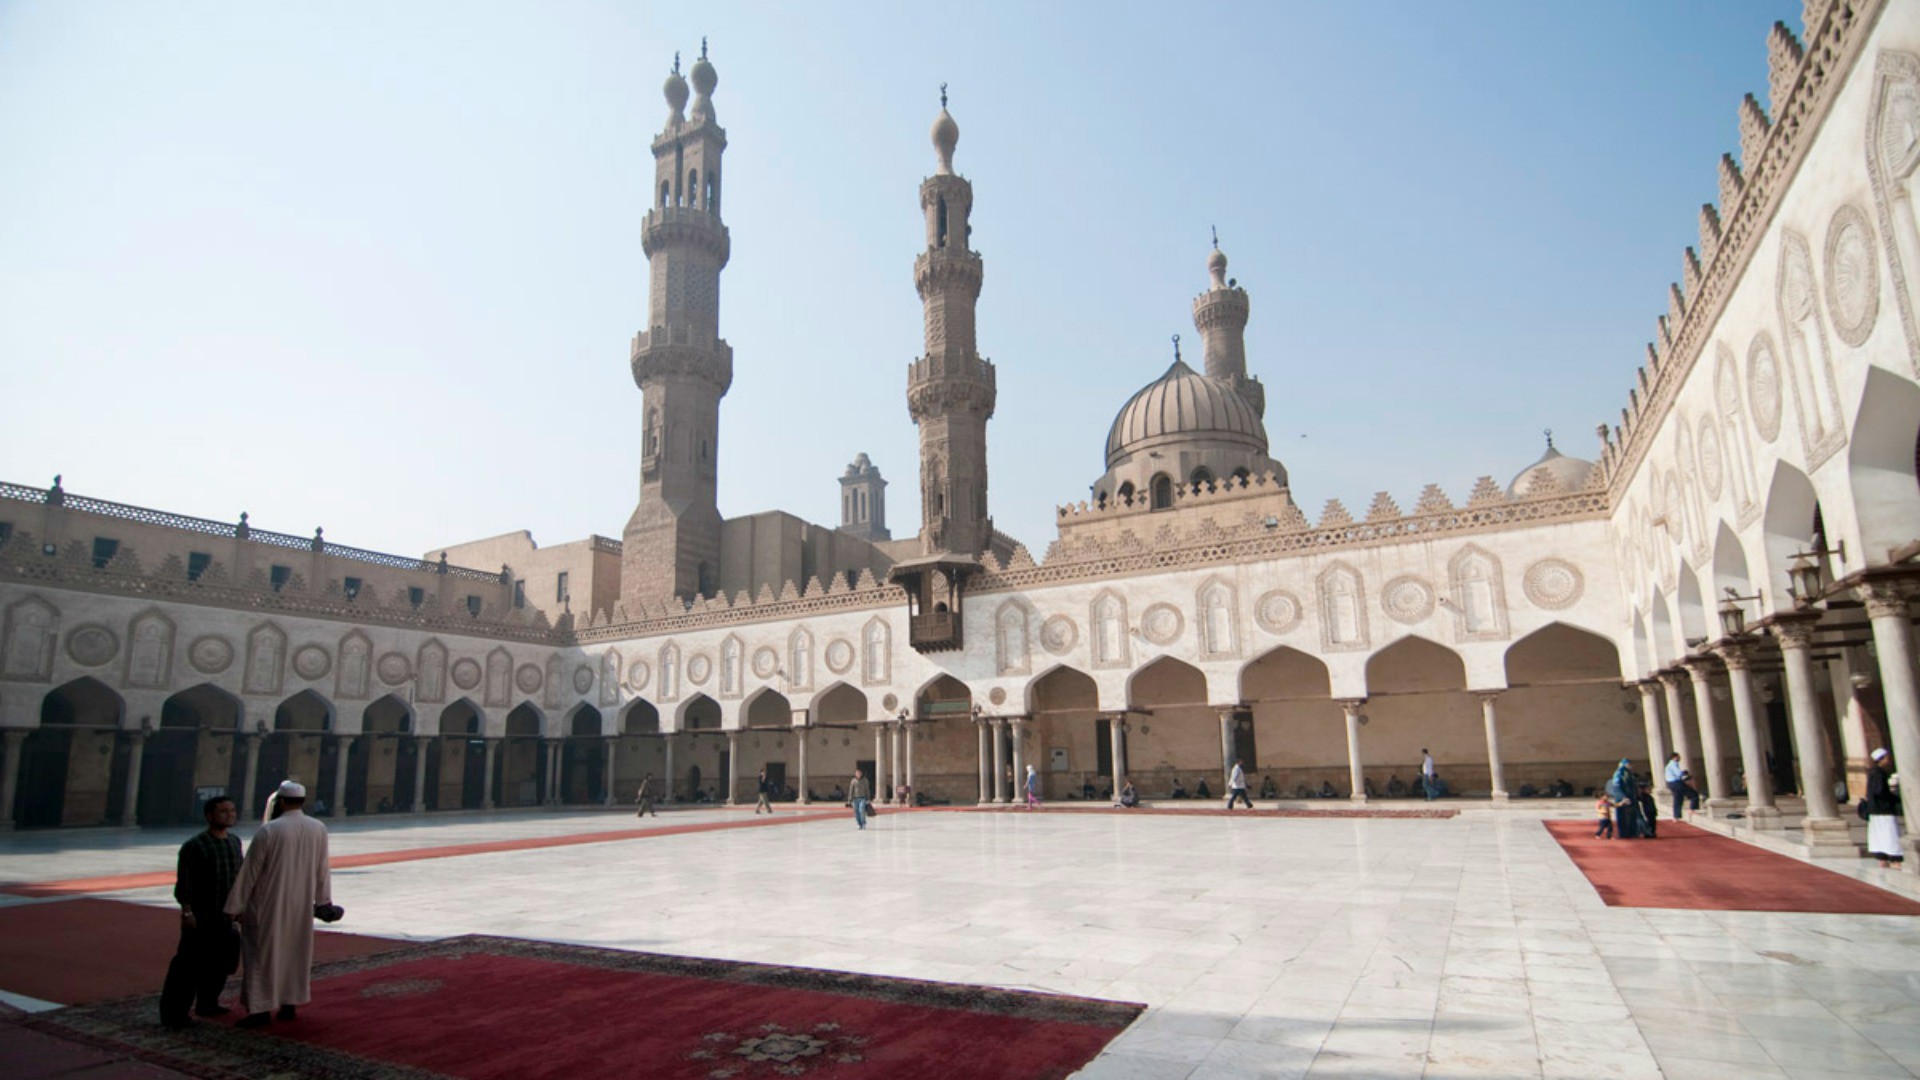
<point x="291" y="789"/>
<point x="1879" y="755"/>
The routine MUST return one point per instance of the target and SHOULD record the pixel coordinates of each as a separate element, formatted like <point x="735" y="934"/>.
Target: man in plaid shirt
<point x="209" y="946"/>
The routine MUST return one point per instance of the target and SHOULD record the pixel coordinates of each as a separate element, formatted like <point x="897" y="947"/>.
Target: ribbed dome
<point x="1182" y="404"/>
<point x="1569" y="473"/>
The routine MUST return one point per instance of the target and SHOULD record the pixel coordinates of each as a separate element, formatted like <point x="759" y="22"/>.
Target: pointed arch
<point x="1060" y="688"/>
<point x="1561" y="653"/>
<point x="841" y="703"/>
<point x="1786" y="528"/>
<point x="584" y="721"/>
<point x="204" y="706"/>
<point x="766" y="708"/>
<point x="1729" y="566"/>
<point x="1690" y="607"/>
<point x="1665" y="650"/>
<point x="524" y="721"/>
<point x="640" y="718"/>
<point x="82" y="702"/>
<point x="1414" y="664"/>
<point x="1643" y="662"/>
<point x="306" y="711"/>
<point x="463" y="717"/>
<point x="387" y="715"/>
<point x="1167" y="681"/>
<point x="698" y="713"/>
<point x="942" y="695"/>
<point x="1285" y="673"/>
<point x="1882" y="458"/>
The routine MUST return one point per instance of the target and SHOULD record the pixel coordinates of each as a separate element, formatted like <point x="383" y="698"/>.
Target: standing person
<point x="766" y="793"/>
<point x="1883" y="812"/>
<point x="1623" y="790"/>
<point x="1603" y="810"/>
<point x="1033" y="788"/>
<point x="1679" y="781"/>
<point x="1237" y="786"/>
<point x="209" y="948"/>
<point x="1649" y="808"/>
<point x="644" y="796"/>
<point x="857" y="798"/>
<point x="283" y="877"/>
<point x="1429" y="777"/>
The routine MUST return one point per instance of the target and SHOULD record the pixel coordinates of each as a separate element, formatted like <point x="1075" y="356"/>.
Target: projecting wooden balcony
<point x="936" y="631"/>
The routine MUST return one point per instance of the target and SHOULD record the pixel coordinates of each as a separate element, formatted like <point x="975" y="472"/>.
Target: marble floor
<point x="1275" y="948"/>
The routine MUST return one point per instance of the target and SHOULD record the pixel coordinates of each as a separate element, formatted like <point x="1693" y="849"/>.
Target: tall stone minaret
<point x="680" y="362"/>
<point x="950" y="390"/>
<point x="1220" y="314"/>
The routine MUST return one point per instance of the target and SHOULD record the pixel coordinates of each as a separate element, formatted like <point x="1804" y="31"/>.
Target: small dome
<point x="1217" y="267"/>
<point x="704" y="77"/>
<point x="946" y="135"/>
<point x="1568" y="473"/>
<point x="861" y="465"/>
<point x="676" y="91"/>
<point x="1183" y="403"/>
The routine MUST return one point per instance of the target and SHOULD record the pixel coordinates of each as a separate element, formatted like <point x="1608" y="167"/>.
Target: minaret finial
<point x="1176" y="348"/>
<point x="1216" y="236"/>
<point x="676" y="61"/>
<point x="1549" y="434"/>
<point x="943" y="95"/>
<point x="703" y="46"/>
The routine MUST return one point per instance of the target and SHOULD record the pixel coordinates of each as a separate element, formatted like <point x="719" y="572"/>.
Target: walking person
<point x="1429" y="776"/>
<point x="1603" y="809"/>
<point x="857" y="798"/>
<point x="766" y="794"/>
<point x="1679" y="781"/>
<point x="1033" y="788"/>
<point x="209" y="946"/>
<point x="1237" y="786"/>
<point x="283" y="878"/>
<point x="1883" y="812"/>
<point x="644" y="796"/>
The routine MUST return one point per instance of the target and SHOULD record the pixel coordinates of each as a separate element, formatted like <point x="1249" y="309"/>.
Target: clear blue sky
<point x="375" y="266"/>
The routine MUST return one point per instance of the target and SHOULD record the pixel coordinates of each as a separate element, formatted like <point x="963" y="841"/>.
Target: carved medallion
<point x="997" y="695"/>
<point x="393" y="668"/>
<point x="1277" y="611"/>
<point x="1763" y="386"/>
<point x="210" y="655"/>
<point x="1553" y="584"/>
<point x="1407" y="599"/>
<point x="466" y="673"/>
<point x="1712" y="468"/>
<point x="1853" y="275"/>
<point x="529" y="678"/>
<point x="840" y="656"/>
<point x="1059" y="634"/>
<point x="765" y="662"/>
<point x="638" y="674"/>
<point x="311" y="662"/>
<point x="92" y="645"/>
<point x="890" y="702"/>
<point x="699" y="669"/>
<point x="1162" y="623"/>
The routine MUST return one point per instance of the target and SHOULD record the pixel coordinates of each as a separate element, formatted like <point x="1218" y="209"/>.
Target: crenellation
<point x="1690" y="273"/>
<point x="1732" y="183"/>
<point x="1334" y="515"/>
<point x="1486" y="492"/>
<point x="1784" y="57"/>
<point x="1676" y="305"/>
<point x="1383" y="508"/>
<point x="1709" y="236"/>
<point x="1754" y="128"/>
<point x="1432" y="500"/>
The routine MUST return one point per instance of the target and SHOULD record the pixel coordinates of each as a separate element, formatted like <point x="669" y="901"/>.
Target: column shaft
<point x="1495" y="769"/>
<point x="879" y="763"/>
<point x="803" y="735"/>
<point x="422" y="746"/>
<point x="1656" y="731"/>
<point x="613" y="757"/>
<point x="1893" y="644"/>
<point x="1226" y="748"/>
<point x="1719" y="790"/>
<point x="733" y="766"/>
<point x="1746" y="722"/>
<point x="999" y="760"/>
<point x="130" y="797"/>
<point x="486" y="784"/>
<point x="1803" y="706"/>
<point x="1356" y="774"/>
<point x="342" y="755"/>
<point x="907" y="735"/>
<point x="1677" y="722"/>
<point x="986" y="764"/>
<point x="13" y="740"/>
<point x="668" y="753"/>
<point x="250" y="783"/>
<point x="1117" y="743"/>
<point x="1014" y="734"/>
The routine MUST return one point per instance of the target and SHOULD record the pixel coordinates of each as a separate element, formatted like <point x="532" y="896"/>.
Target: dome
<point x="946" y="136"/>
<point x="676" y="91"/>
<point x="1183" y="404"/>
<point x="704" y="77"/>
<point x="1217" y="267"/>
<point x="1567" y="473"/>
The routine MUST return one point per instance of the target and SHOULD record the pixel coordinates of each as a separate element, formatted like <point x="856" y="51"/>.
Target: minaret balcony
<point x="948" y="270"/>
<point x="685" y="227"/>
<point x="677" y="352"/>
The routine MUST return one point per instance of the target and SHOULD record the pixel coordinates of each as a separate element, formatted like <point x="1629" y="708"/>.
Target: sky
<point x="376" y="266"/>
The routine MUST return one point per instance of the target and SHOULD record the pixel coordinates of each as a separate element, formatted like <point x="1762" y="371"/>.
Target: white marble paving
<point x="1272" y="948"/>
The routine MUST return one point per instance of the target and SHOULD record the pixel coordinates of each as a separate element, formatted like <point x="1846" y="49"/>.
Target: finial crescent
<point x="943" y="95"/>
<point x="703" y="46"/>
<point x="1549" y="434"/>
<point x="1216" y="236"/>
<point x="676" y="61"/>
<point x="1176" y="346"/>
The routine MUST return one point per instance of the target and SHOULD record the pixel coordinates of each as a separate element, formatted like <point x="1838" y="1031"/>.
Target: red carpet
<point x="481" y="1007"/>
<point x="76" y="951"/>
<point x="1696" y="870"/>
<point x="1342" y="811"/>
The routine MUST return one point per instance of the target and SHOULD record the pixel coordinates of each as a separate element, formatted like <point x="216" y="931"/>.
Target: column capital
<point x="1736" y="653"/>
<point x="1351" y="706"/>
<point x="1886" y="596"/>
<point x="1794" y="629"/>
<point x="1487" y="695"/>
<point x="1648" y="687"/>
<point x="1670" y="677"/>
<point x="1699" y="668"/>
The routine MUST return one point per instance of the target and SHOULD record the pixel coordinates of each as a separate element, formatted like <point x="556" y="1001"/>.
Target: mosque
<point x="1729" y="581"/>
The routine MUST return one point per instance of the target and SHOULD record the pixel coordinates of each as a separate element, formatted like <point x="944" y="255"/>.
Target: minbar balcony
<point x="935" y="586"/>
<point x="935" y="631"/>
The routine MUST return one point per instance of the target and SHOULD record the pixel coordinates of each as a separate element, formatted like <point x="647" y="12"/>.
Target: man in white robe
<point x="283" y="877"/>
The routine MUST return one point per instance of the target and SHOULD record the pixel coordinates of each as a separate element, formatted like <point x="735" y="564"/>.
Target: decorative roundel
<point x="393" y="668"/>
<point x="1277" y="611"/>
<point x="1058" y="634"/>
<point x="638" y="674"/>
<point x="699" y="669"/>
<point x="1711" y="471"/>
<point x="311" y="662"/>
<point x="92" y="645"/>
<point x="210" y="655"/>
<point x="466" y="673"/>
<point x="1553" y="584"/>
<point x="839" y="656"/>
<point x="582" y="679"/>
<point x="1407" y="599"/>
<point x="890" y="702"/>
<point x="1161" y="623"/>
<point x="529" y="678"/>
<point x="1853" y="275"/>
<point x="1763" y="387"/>
<point x="765" y="662"/>
<point x="997" y="695"/>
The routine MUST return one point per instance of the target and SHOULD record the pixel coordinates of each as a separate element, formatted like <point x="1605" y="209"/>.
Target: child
<point x="1603" y="809"/>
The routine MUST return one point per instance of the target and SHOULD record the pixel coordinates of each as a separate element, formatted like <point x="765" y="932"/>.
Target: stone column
<point x="895" y="736"/>
<point x="1356" y="774"/>
<point x="908" y="736"/>
<point x="804" y="735"/>
<point x="1851" y="714"/>
<point x="613" y="757"/>
<point x="555" y="748"/>
<point x="999" y="760"/>
<point x="1656" y="731"/>
<point x="422" y="746"/>
<point x="1719" y="790"/>
<point x="733" y="766"/>
<point x="986" y="763"/>
<point x="1494" y="768"/>
<point x="667" y="739"/>
<point x="341" y="758"/>
<point x="487" y="801"/>
<point x="1738" y="656"/>
<point x="879" y="777"/>
<point x="130" y="798"/>
<point x="1226" y="745"/>
<point x="250" y="785"/>
<point x="1117" y="738"/>
<point x="1671" y="681"/>
<point x="1015" y="732"/>
<point x="12" y="740"/>
<point x="1824" y="832"/>
<point x="1893" y="642"/>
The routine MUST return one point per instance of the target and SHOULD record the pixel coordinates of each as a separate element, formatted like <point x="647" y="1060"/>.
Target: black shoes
<point x="253" y="1020"/>
<point x="285" y="1013"/>
<point x="217" y="1010"/>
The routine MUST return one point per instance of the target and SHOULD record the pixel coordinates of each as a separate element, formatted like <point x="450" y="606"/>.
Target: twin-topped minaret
<point x="680" y="362"/>
<point x="950" y="390"/>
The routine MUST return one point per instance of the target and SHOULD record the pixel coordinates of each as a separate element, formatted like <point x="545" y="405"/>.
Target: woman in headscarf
<point x="1623" y="790"/>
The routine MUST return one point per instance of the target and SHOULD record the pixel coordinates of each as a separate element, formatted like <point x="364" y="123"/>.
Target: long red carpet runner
<point x="484" y="1007"/>
<point x="1697" y="870"/>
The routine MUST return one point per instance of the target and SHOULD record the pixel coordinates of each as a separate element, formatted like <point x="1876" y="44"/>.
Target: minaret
<point x="672" y="541"/>
<point x="950" y="390"/>
<point x="1220" y="314"/>
<point x="863" y="501"/>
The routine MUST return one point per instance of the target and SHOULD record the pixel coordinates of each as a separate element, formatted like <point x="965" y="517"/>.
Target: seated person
<point x="1367" y="786"/>
<point x="1302" y="791"/>
<point x="386" y="805"/>
<point x="1179" y="790"/>
<point x="1267" y="790"/>
<point x="1396" y="787"/>
<point x="839" y="794"/>
<point x="1560" y="789"/>
<point x="1201" y="791"/>
<point x="1326" y="790"/>
<point x="1129" y="798"/>
<point x="1086" y="789"/>
<point x="812" y="797"/>
<point x="1528" y="791"/>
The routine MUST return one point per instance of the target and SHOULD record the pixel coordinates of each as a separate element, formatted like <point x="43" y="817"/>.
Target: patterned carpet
<point x="485" y="1007"/>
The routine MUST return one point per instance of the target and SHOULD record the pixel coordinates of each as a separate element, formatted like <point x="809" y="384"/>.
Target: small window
<point x="520" y="593"/>
<point x="473" y="606"/>
<point x="560" y="588"/>
<point x="104" y="549"/>
<point x="351" y="586"/>
<point x="416" y="595"/>
<point x="1125" y="494"/>
<point x="1162" y="491"/>
<point x="6" y="532"/>
<point x="277" y="576"/>
<point x="197" y="563"/>
<point x="703" y="449"/>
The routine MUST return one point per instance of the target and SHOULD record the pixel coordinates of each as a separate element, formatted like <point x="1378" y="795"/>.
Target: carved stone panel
<point x="1013" y="653"/>
<point x="1553" y="584"/>
<point x="699" y="668"/>
<point x="670" y="672"/>
<point x="551" y="683"/>
<point x="638" y="675"/>
<point x="32" y="625"/>
<point x="1893" y="155"/>
<point x="1059" y="634"/>
<point x="1343" y="609"/>
<point x="1161" y="624"/>
<point x="1712" y="468"/>
<point x="1109" y="630"/>
<point x="582" y="678"/>
<point x="840" y="656"/>
<point x="1407" y="599"/>
<point x="733" y="662"/>
<point x="92" y="645"/>
<point x="312" y="662"/>
<point x="1809" y="355"/>
<point x="210" y="654"/>
<point x="528" y="679"/>
<point x="266" y="660"/>
<point x="352" y="682"/>
<point x="1277" y="611"/>
<point x="610" y="663"/>
<point x="467" y="673"/>
<point x="1478" y="591"/>
<point x="1763" y="386"/>
<point x="393" y="668"/>
<point x="1217" y="618"/>
<point x="499" y="678"/>
<point x="765" y="662"/>
<point x="1853" y="275"/>
<point x="430" y="667"/>
<point x="876" y="665"/>
<point x="800" y="659"/>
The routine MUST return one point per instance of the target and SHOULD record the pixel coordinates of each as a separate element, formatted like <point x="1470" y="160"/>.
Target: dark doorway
<point x="1103" y="747"/>
<point x="42" y="794"/>
<point x="166" y="778"/>
<point x="473" y="777"/>
<point x="406" y="762"/>
<point x="359" y="758"/>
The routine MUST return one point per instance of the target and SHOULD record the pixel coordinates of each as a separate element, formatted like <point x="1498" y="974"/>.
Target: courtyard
<point x="1262" y="947"/>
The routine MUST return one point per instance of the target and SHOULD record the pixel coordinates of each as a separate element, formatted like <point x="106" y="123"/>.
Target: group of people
<point x="1626" y="807"/>
<point x="255" y="906"/>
